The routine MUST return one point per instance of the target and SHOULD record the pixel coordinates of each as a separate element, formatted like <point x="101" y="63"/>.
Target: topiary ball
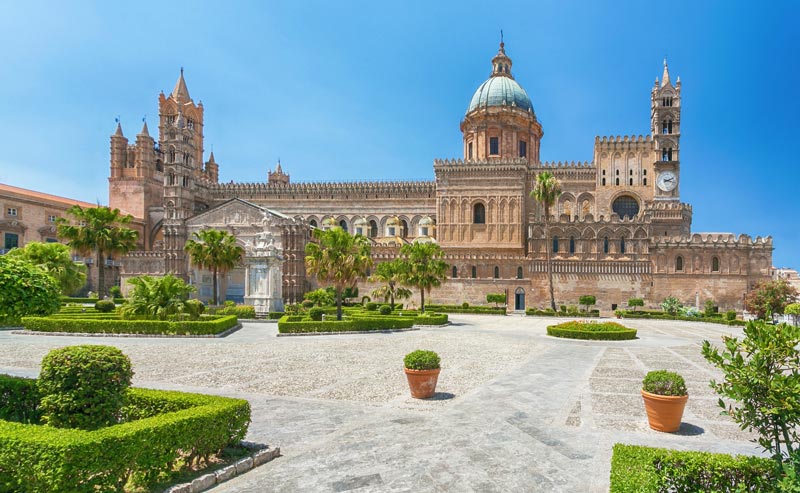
<point x="105" y="306"/>
<point x="385" y="310"/>
<point x="83" y="386"/>
<point x="316" y="313"/>
<point x="421" y="360"/>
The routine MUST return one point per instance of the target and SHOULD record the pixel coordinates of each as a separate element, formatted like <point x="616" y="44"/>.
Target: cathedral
<point x="619" y="229"/>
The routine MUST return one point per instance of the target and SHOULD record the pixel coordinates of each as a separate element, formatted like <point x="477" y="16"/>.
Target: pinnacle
<point x="119" y="130"/>
<point x="144" y="131"/>
<point x="181" y="92"/>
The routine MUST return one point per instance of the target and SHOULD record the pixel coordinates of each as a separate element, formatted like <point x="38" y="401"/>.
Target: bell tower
<point x="665" y="125"/>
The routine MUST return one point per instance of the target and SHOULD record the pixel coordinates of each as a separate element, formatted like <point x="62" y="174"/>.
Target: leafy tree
<point x="339" y="259"/>
<point x="545" y="191"/>
<point x="55" y="259"/>
<point x="98" y="230"/>
<point x="671" y="305"/>
<point x="496" y="298"/>
<point x="587" y="301"/>
<point x="320" y="297"/>
<point x="634" y="302"/>
<point x="770" y="297"/>
<point x="708" y="308"/>
<point x="390" y="275"/>
<point x="761" y="375"/>
<point x="25" y="290"/>
<point x="424" y="268"/>
<point x="157" y="297"/>
<point x="793" y="309"/>
<point x="216" y="251"/>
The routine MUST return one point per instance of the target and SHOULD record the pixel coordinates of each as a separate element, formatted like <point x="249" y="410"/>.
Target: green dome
<point x="500" y="91"/>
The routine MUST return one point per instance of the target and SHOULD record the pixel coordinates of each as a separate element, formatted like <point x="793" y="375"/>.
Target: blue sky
<point x="376" y="90"/>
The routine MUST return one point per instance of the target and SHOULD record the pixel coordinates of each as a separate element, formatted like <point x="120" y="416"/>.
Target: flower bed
<point x="636" y="469"/>
<point x="162" y="429"/>
<point x="205" y="326"/>
<point x="599" y="331"/>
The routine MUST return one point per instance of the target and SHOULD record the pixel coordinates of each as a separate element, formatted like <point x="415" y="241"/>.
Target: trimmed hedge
<point x="65" y="299"/>
<point x="550" y="313"/>
<point x="431" y="319"/>
<point x="204" y="326"/>
<point x="636" y="469"/>
<point x="173" y="426"/>
<point x="597" y="331"/>
<point x="19" y="401"/>
<point x="289" y="325"/>
<point x="654" y="315"/>
<point x="485" y="310"/>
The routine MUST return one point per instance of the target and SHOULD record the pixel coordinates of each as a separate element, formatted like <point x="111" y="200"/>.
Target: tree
<point x="496" y="298"/>
<point x="157" y="297"/>
<point x="339" y="259"/>
<point x="793" y="310"/>
<point x="634" y="302"/>
<point x="214" y="250"/>
<point x="320" y="297"/>
<point x="671" y="305"/>
<point x="770" y="297"/>
<point x="55" y="259"/>
<point x="424" y="268"/>
<point x="390" y="275"/>
<point x="587" y="301"/>
<point x="26" y="290"/>
<point x="99" y="230"/>
<point x="761" y="374"/>
<point x="545" y="191"/>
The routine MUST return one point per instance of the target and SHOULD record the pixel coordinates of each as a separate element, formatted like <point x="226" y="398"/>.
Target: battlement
<point x="669" y="205"/>
<point x="622" y="139"/>
<point x="479" y="162"/>
<point x="716" y="239"/>
<point x="566" y="164"/>
<point x="328" y="188"/>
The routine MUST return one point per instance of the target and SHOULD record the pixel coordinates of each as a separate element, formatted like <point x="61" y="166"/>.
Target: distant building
<point x="619" y="229"/>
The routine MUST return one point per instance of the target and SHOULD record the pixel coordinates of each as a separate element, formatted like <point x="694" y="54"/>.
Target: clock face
<point x="667" y="181"/>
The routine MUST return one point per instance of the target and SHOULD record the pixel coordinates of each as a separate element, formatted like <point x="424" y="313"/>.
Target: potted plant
<point x="665" y="395"/>
<point x="422" y="371"/>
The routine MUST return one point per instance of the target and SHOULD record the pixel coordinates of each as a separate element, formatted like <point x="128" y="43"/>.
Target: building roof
<point x="31" y="194"/>
<point x="500" y="89"/>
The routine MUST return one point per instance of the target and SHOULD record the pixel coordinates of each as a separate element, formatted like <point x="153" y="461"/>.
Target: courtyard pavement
<point x="515" y="410"/>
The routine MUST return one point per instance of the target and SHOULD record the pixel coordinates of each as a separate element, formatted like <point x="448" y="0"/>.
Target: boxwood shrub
<point x="205" y="326"/>
<point x="19" y="401"/>
<point x="636" y="469"/>
<point x="485" y="310"/>
<point x="172" y="426"/>
<point x="288" y="325"/>
<point x="656" y="315"/>
<point x="599" y="331"/>
<point x="421" y="360"/>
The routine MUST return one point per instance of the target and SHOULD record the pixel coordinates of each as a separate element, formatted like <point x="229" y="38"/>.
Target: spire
<point x="118" y="133"/>
<point x="211" y="158"/>
<point x="278" y="168"/>
<point x="665" y="76"/>
<point x="181" y="93"/>
<point x="144" y="129"/>
<point x="501" y="63"/>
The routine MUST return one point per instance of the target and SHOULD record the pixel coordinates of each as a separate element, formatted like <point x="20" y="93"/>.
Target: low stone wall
<point x="261" y="455"/>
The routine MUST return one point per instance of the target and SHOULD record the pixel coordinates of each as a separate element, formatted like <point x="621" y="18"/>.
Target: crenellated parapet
<point x="715" y="240"/>
<point x="565" y="164"/>
<point x="388" y="188"/>
<point x="611" y="140"/>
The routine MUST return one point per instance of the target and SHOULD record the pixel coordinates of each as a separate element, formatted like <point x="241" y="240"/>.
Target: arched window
<point x="625" y="206"/>
<point x="496" y="272"/>
<point x="312" y="223"/>
<point x="571" y="244"/>
<point x="555" y="244"/>
<point x="474" y="272"/>
<point x="479" y="213"/>
<point x="343" y="224"/>
<point x="519" y="272"/>
<point x="455" y="272"/>
<point x="605" y="244"/>
<point x="622" y="245"/>
<point x="679" y="263"/>
<point x="404" y="226"/>
<point x="715" y="264"/>
<point x="373" y="229"/>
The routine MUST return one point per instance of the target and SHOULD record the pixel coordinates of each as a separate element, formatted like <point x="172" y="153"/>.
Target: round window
<point x="625" y="206"/>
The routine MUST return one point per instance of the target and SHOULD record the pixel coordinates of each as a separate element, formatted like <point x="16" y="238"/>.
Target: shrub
<point x="562" y="308"/>
<point x="372" y="306"/>
<point x="296" y="324"/>
<point x="204" y="326"/>
<point x="491" y="310"/>
<point x="770" y="297"/>
<point x="307" y="303"/>
<point x="19" y="400"/>
<point x="663" y="382"/>
<point x="115" y="291"/>
<point x="365" y="300"/>
<point x="320" y="297"/>
<point x="496" y="298"/>
<point x="606" y="331"/>
<point x="636" y="469"/>
<point x="105" y="306"/>
<point x="587" y="301"/>
<point x="171" y="428"/>
<point x="634" y="302"/>
<point x="156" y="297"/>
<point x="194" y="308"/>
<point x="465" y="305"/>
<point x="421" y="360"/>
<point x="26" y="290"/>
<point x="385" y="310"/>
<point x="83" y="386"/>
<point x="730" y="315"/>
<point x="709" y="309"/>
<point x="316" y="313"/>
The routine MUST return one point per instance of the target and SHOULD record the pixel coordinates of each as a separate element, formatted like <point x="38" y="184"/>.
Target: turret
<point x="119" y="152"/>
<point x="212" y="169"/>
<point x="278" y="177"/>
<point x="145" y="153"/>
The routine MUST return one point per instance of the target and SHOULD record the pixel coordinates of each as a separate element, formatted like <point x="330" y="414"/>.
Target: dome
<point x="500" y="91"/>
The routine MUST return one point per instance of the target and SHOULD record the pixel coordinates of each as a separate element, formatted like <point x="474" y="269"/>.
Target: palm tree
<point x="424" y="267"/>
<point x="99" y="230"/>
<point x="216" y="251"/>
<point x="390" y="274"/>
<point x="338" y="259"/>
<point x="55" y="259"/>
<point x="546" y="190"/>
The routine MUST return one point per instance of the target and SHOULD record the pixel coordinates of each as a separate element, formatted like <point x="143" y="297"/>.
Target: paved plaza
<point x="515" y="410"/>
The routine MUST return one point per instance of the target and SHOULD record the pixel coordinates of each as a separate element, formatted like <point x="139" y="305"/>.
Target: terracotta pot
<point x="422" y="382"/>
<point x="664" y="412"/>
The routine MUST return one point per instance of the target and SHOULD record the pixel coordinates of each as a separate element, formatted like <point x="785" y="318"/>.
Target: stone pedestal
<point x="263" y="275"/>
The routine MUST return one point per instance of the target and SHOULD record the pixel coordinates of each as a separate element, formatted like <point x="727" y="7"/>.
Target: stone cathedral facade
<point x="619" y="230"/>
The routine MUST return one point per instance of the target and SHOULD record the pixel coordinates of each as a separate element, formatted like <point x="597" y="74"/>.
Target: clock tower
<point x="665" y="124"/>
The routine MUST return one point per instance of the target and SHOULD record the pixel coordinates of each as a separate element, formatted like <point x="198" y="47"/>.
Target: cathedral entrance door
<point x="519" y="299"/>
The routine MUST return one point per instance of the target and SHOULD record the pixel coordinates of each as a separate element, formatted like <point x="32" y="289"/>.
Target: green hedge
<point x="485" y="310"/>
<point x="289" y="325"/>
<point x="19" y="400"/>
<point x="173" y="426"/>
<point x="65" y="299"/>
<point x="654" y="315"/>
<point x="431" y="319"/>
<point x="597" y="331"/>
<point x="205" y="326"/>
<point x="636" y="469"/>
<point x="550" y="313"/>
